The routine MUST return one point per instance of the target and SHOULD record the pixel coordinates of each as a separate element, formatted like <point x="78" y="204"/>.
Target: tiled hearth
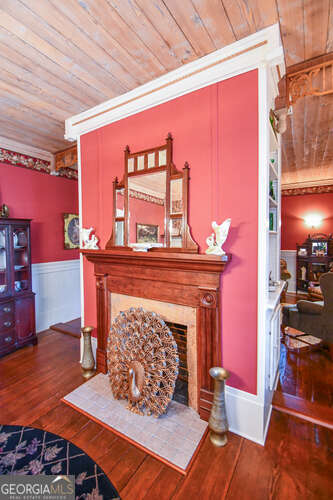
<point x="173" y="437"/>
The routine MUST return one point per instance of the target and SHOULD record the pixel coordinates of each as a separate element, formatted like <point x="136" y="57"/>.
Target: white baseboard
<point x="57" y="289"/>
<point x="290" y="258"/>
<point x="246" y="415"/>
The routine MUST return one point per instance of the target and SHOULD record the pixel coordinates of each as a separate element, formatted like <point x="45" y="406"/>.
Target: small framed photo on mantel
<point x="146" y="233"/>
<point x="71" y="231"/>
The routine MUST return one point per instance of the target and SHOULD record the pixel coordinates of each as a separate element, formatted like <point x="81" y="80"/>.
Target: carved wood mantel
<point x="186" y="279"/>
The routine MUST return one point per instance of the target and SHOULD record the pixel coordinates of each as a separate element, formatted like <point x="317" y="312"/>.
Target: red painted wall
<point x="293" y="210"/>
<point x="43" y="198"/>
<point x="216" y="130"/>
<point x="144" y="212"/>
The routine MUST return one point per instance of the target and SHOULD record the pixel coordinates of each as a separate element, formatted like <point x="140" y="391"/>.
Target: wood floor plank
<point x="295" y="463"/>
<point x="125" y="469"/>
<point x="165" y="484"/>
<point x="212" y="471"/>
<point x="138" y="486"/>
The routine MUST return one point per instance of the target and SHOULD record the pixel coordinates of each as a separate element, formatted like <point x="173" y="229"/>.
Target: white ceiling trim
<point x="259" y="48"/>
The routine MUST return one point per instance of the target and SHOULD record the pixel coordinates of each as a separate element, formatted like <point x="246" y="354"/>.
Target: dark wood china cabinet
<point x="17" y="300"/>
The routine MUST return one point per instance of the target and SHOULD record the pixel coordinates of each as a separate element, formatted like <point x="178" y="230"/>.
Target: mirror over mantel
<point x="150" y="203"/>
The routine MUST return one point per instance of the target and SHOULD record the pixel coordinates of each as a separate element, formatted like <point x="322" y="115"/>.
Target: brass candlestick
<point x="88" y="362"/>
<point x="218" y="423"/>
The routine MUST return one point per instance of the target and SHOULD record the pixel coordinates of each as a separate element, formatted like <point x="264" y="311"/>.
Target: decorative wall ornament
<point x="215" y="241"/>
<point x="66" y="159"/>
<point x="71" y="231"/>
<point x="12" y="158"/>
<point x="89" y="241"/>
<point x="143" y="361"/>
<point x="69" y="173"/>
<point x="314" y="80"/>
<point x="4" y="211"/>
<point x="21" y="160"/>
<point x="307" y="190"/>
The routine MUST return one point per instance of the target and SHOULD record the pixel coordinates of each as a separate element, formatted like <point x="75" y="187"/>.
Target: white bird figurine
<point x="221" y="233"/>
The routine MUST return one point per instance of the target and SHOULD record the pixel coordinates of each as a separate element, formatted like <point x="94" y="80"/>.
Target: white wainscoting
<point x="57" y="289"/>
<point x="290" y="258"/>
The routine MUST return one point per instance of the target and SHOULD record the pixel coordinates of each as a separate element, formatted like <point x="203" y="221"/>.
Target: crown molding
<point x="24" y="149"/>
<point x="310" y="187"/>
<point x="262" y="47"/>
<point x="306" y="184"/>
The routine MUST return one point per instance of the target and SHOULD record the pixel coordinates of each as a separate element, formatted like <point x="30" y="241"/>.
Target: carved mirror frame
<point x="139" y="163"/>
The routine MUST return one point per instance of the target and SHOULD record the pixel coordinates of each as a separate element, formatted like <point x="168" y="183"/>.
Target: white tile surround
<point x="174" y="436"/>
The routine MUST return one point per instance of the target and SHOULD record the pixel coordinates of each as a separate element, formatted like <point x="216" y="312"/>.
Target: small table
<point x="298" y="341"/>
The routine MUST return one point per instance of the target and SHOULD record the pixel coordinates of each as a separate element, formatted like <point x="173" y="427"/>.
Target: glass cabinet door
<point x="21" y="259"/>
<point x="4" y="258"/>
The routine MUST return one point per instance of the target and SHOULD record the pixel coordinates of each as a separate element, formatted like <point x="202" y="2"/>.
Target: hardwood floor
<point x="294" y="464"/>
<point x="305" y="386"/>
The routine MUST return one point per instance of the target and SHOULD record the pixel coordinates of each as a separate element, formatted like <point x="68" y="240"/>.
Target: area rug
<point x="26" y="450"/>
<point x="174" y="437"/>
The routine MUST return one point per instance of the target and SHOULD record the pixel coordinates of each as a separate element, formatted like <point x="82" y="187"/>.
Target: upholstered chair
<point x="315" y="318"/>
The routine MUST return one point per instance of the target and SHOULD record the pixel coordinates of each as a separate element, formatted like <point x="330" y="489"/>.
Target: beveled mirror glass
<point x="146" y="208"/>
<point x="150" y="203"/>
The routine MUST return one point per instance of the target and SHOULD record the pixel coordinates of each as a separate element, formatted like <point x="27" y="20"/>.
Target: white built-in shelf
<point x="274" y="297"/>
<point x="273" y="232"/>
<point x="272" y="172"/>
<point x="272" y="203"/>
<point x="273" y="138"/>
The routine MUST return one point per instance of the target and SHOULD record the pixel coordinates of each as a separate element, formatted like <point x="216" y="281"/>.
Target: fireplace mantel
<point x="178" y="278"/>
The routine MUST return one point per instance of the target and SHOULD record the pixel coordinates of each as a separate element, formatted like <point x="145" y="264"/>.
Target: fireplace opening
<point x="179" y="333"/>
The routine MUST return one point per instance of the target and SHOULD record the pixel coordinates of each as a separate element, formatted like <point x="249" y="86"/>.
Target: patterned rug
<point x="26" y="450"/>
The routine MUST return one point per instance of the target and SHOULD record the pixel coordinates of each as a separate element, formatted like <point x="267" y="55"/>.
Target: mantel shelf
<point x="184" y="261"/>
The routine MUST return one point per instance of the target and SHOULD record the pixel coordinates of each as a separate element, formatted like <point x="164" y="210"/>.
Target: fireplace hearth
<point x="186" y="283"/>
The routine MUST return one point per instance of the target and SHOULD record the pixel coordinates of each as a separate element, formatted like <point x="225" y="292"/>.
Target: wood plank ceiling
<point x="61" y="57"/>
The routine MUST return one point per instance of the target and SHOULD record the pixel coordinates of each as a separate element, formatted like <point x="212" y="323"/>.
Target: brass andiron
<point x="88" y="362"/>
<point x="218" y="423"/>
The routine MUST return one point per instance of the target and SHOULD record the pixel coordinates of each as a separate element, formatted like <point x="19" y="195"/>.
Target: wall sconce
<point x="313" y="220"/>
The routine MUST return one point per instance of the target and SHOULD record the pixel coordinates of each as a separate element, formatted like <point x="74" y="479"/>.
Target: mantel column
<point x="102" y="322"/>
<point x="209" y="344"/>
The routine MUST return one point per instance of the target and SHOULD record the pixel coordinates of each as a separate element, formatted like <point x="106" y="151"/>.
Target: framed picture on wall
<point x="146" y="233"/>
<point x="71" y="231"/>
